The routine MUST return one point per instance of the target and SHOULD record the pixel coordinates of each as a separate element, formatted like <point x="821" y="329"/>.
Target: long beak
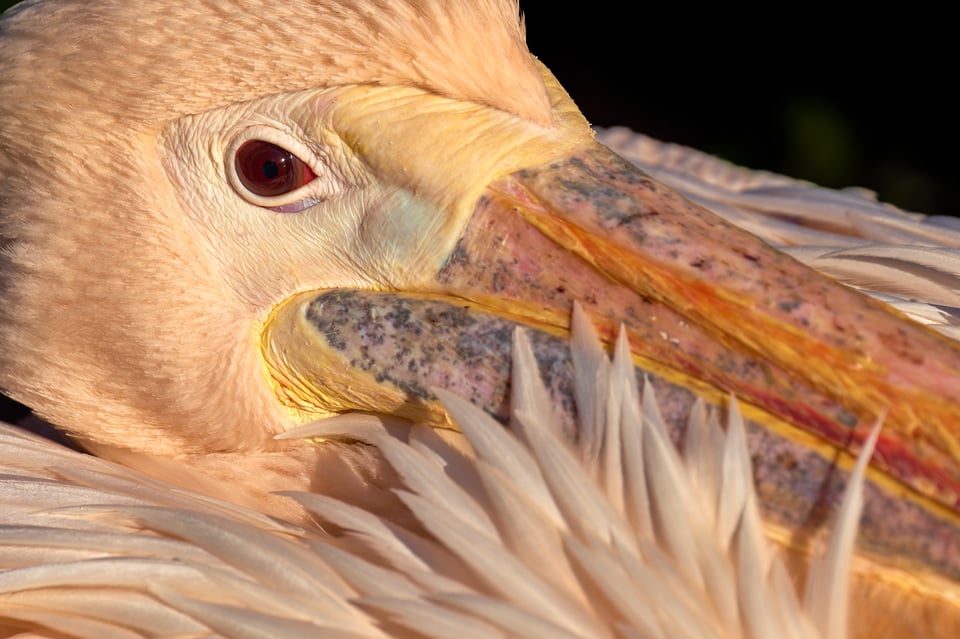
<point x="707" y="307"/>
<point x="708" y="304"/>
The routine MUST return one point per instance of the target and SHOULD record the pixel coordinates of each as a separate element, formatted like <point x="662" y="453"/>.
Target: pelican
<point x="272" y="269"/>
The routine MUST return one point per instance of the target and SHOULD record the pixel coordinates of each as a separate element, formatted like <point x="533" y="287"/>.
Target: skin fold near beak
<point x="708" y="310"/>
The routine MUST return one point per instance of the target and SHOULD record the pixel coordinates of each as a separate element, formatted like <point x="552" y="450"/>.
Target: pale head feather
<point x="114" y="312"/>
<point x="149" y="63"/>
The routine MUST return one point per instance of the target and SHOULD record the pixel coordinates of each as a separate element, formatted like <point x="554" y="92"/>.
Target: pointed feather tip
<point x="361" y="427"/>
<point x="614" y="572"/>
<point x="828" y="585"/>
<point x="540" y="465"/>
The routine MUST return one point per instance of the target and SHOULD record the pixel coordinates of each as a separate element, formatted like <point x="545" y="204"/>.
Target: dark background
<point x="822" y="92"/>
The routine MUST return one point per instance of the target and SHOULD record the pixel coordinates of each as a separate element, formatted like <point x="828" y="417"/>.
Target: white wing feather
<point x="543" y="537"/>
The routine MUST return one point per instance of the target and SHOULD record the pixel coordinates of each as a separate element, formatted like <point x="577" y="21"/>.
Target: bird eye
<point x="268" y="170"/>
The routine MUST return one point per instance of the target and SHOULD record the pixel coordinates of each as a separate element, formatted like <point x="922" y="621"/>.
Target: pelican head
<point x="213" y="212"/>
<point x="144" y="195"/>
<point x="144" y="270"/>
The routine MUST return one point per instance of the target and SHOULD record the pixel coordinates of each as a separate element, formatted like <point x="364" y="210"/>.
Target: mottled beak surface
<point x="706" y="306"/>
<point x="714" y="309"/>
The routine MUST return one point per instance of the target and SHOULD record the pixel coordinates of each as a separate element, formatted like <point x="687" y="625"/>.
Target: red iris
<point x="268" y="170"/>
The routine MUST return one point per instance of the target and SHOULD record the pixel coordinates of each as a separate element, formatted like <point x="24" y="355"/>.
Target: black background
<point x="827" y="93"/>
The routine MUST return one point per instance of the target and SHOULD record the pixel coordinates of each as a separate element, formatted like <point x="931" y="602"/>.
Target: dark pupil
<point x="270" y="169"/>
<point x="267" y="169"/>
